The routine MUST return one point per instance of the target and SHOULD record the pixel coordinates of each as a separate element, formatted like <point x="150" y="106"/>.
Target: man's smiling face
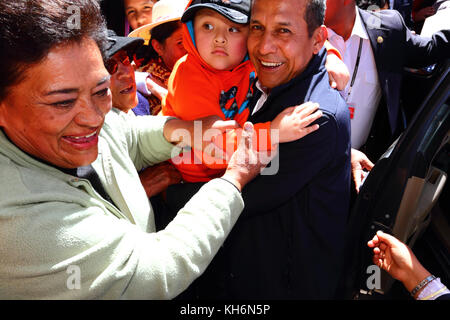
<point x="279" y="45"/>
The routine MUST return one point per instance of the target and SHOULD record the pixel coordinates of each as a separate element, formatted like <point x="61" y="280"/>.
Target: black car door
<point x="402" y="190"/>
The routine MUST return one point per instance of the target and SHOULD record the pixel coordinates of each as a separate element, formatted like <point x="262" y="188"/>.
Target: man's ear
<point x="157" y="46"/>
<point x="320" y="36"/>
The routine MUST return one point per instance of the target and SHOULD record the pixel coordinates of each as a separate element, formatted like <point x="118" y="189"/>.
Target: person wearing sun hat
<point x="163" y="47"/>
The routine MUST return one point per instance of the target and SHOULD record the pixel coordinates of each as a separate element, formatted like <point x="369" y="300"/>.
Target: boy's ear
<point x="320" y="36"/>
<point x="157" y="46"/>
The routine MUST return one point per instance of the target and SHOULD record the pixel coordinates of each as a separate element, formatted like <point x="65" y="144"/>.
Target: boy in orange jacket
<point x="216" y="77"/>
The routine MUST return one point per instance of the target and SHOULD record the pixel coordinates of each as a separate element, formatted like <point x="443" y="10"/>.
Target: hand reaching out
<point x="397" y="259"/>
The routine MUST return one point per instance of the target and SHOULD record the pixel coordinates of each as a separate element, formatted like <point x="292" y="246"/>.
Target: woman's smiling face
<point x="57" y="111"/>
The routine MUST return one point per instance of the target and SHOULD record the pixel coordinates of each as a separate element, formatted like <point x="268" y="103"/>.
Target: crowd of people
<point x="210" y="151"/>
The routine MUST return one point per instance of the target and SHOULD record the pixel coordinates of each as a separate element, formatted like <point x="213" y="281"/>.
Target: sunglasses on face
<point x="112" y="65"/>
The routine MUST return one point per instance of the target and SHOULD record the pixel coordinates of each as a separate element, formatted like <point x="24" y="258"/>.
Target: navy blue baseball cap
<point x="117" y="43"/>
<point x="237" y="11"/>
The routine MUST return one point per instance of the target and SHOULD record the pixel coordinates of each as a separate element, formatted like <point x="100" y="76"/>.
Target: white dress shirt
<point x="365" y="94"/>
<point x="261" y="99"/>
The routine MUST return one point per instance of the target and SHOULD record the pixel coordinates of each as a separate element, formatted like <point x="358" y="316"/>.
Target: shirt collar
<point x="358" y="27"/>
<point x="260" y="87"/>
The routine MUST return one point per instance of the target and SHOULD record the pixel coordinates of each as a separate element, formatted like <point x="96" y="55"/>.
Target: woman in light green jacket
<point x="75" y="221"/>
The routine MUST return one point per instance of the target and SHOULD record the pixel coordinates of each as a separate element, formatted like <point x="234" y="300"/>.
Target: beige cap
<point x="163" y="11"/>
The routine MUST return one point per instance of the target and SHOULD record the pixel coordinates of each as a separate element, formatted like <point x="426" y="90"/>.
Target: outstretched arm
<point x="291" y="124"/>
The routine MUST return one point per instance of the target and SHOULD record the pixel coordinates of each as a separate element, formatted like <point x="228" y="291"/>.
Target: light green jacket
<point x="60" y="240"/>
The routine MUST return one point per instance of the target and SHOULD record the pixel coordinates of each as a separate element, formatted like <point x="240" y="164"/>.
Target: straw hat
<point x="163" y="11"/>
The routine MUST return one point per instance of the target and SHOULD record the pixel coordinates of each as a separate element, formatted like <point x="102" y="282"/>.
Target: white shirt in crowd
<point x="365" y="94"/>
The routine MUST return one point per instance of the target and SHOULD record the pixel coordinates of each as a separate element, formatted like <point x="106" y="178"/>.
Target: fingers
<point x="306" y="108"/>
<point x="388" y="239"/>
<point x="367" y="164"/>
<point x="224" y="125"/>
<point x="312" y="117"/>
<point x="333" y="82"/>
<point x="247" y="135"/>
<point x="308" y="129"/>
<point x="309" y="112"/>
<point x="357" y="179"/>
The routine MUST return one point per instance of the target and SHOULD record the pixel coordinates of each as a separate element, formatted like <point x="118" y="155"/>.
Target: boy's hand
<point x="293" y="122"/>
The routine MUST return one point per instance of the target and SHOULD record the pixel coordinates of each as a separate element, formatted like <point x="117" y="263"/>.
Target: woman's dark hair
<point x="31" y="28"/>
<point x="160" y="34"/>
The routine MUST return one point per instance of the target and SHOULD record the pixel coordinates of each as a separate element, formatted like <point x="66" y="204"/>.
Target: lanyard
<point x="355" y="71"/>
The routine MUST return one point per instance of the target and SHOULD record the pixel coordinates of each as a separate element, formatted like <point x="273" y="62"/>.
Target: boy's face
<point x="220" y="42"/>
<point x="139" y="12"/>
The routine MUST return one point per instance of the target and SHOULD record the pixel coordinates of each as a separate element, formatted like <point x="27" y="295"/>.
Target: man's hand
<point x="246" y="163"/>
<point x="293" y="123"/>
<point x="359" y="162"/>
<point x="157" y="178"/>
<point x="337" y="72"/>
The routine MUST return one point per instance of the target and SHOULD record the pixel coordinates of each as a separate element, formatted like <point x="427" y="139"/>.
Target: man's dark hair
<point x="365" y="4"/>
<point x="314" y="14"/>
<point x="31" y="28"/>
